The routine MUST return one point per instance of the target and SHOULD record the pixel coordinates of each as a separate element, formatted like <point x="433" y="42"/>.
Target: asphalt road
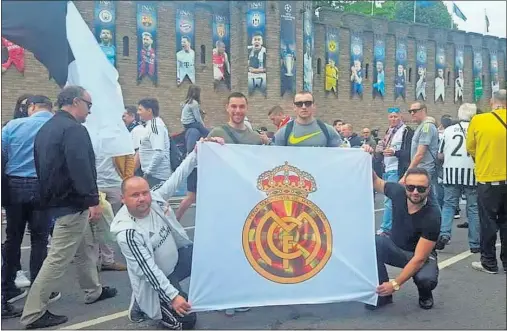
<point x="464" y="299"/>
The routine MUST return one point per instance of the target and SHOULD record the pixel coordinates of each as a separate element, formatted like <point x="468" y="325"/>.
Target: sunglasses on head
<point x="301" y="103"/>
<point x="420" y="189"/>
<point x="413" y="111"/>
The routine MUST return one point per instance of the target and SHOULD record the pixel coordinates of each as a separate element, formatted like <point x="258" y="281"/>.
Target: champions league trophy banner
<point x="493" y="69"/>
<point x="356" y="62"/>
<point x="256" y="50"/>
<point x="185" y="57"/>
<point x="287" y="47"/>
<point x="439" y="75"/>
<point x="332" y="60"/>
<point x="308" y="47"/>
<point x="379" y="54"/>
<point x="221" y="47"/>
<point x="105" y="28"/>
<point x="459" y="83"/>
<point x="147" y="41"/>
<point x="477" y="70"/>
<point x="401" y="68"/>
<point x="421" y="64"/>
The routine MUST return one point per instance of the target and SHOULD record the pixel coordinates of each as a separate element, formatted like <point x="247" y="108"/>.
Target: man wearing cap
<point x="18" y="138"/>
<point x="394" y="149"/>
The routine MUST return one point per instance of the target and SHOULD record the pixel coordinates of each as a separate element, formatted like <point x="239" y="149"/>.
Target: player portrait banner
<point x="400" y="79"/>
<point x="332" y="59"/>
<point x="287" y="47"/>
<point x="421" y="64"/>
<point x="356" y="64"/>
<point x="256" y="49"/>
<point x="147" y="41"/>
<point x="185" y="38"/>
<point x="308" y="47"/>
<point x="221" y="49"/>
<point x="477" y="73"/>
<point x="287" y="237"/>
<point x="440" y="72"/>
<point x="104" y="21"/>
<point x="459" y="65"/>
<point x="493" y="71"/>
<point x="379" y="54"/>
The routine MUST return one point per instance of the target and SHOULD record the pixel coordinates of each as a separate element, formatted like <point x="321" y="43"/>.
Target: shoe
<point x="475" y="250"/>
<point x="15" y="295"/>
<point x="9" y="311"/>
<point x="135" y="314"/>
<point x="442" y="241"/>
<point x="457" y="216"/>
<point x="230" y="312"/>
<point x="425" y="300"/>
<point x="463" y="225"/>
<point x="21" y="280"/>
<point x="115" y="266"/>
<point x="381" y="302"/>
<point x="107" y="293"/>
<point x="47" y="320"/>
<point x="242" y="309"/>
<point x="479" y="267"/>
<point x="55" y="296"/>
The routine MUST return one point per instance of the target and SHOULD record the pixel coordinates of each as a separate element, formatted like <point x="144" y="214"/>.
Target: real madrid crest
<point x="287" y="239"/>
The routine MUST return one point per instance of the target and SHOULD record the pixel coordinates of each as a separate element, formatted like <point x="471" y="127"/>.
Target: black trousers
<point x="24" y="207"/>
<point x="493" y="218"/>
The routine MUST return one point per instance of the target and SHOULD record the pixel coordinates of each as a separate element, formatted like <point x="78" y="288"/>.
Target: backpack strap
<point x="288" y="130"/>
<point x="229" y="132"/>
<point x="498" y="118"/>
<point x="325" y="131"/>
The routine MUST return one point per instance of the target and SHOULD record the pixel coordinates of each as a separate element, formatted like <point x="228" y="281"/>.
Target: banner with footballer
<point x="147" y="41"/>
<point x="185" y="37"/>
<point x="256" y="50"/>
<point x="221" y="49"/>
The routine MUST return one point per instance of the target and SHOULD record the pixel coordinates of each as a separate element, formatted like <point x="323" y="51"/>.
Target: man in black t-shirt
<point x="414" y="233"/>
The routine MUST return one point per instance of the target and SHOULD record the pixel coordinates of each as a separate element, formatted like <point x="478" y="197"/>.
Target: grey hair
<point x="68" y="94"/>
<point x="500" y="96"/>
<point x="466" y="111"/>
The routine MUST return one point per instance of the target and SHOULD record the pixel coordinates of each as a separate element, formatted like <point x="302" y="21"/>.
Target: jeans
<point x="435" y="189"/>
<point x="24" y="207"/>
<point x="440" y="194"/>
<point x="493" y="218"/>
<point x="451" y="202"/>
<point x="387" y="221"/>
<point x="192" y="138"/>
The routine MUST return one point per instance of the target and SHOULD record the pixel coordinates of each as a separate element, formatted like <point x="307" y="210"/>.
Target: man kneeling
<point x="411" y="245"/>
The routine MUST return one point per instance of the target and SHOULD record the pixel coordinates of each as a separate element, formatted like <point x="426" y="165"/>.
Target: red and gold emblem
<point x="221" y="30"/>
<point x="287" y="238"/>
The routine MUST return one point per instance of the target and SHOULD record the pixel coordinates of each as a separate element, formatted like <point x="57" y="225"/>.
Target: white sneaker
<point x="21" y="280"/>
<point x="478" y="266"/>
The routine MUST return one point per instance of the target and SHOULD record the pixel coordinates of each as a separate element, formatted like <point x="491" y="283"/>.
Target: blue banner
<point x="308" y="47"/>
<point x="493" y="71"/>
<point x="256" y="50"/>
<point x="287" y="47"/>
<point x="185" y="56"/>
<point x="221" y="49"/>
<point x="477" y="71"/>
<point x="400" y="79"/>
<point x="147" y="41"/>
<point x="356" y="62"/>
<point x="459" y="83"/>
<point x="379" y="54"/>
<point x="105" y="28"/>
<point x="439" y="75"/>
<point x="332" y="59"/>
<point x="421" y="64"/>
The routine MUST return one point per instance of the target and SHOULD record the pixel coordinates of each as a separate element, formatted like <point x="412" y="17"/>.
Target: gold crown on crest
<point x="286" y="179"/>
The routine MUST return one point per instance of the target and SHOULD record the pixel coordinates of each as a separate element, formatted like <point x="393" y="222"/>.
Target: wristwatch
<point x="395" y="285"/>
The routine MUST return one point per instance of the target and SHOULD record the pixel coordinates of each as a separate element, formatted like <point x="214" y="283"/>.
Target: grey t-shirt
<point x="308" y="135"/>
<point x="426" y="134"/>
<point x="244" y="137"/>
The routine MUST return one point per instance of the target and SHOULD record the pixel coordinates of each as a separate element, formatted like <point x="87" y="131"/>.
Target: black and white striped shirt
<point x="458" y="167"/>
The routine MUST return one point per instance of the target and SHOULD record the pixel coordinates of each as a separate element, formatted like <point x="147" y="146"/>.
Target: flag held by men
<point x="292" y="238"/>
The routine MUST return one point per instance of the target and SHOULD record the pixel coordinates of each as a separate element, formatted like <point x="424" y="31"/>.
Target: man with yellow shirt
<point x="486" y="143"/>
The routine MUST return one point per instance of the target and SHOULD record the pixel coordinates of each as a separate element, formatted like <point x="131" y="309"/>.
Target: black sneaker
<point x="55" y="296"/>
<point x="135" y="314"/>
<point x="381" y="302"/>
<point x="9" y="311"/>
<point x="475" y="250"/>
<point x="47" y="320"/>
<point x="442" y="241"/>
<point x="107" y="293"/>
<point x="15" y="294"/>
<point x="425" y="299"/>
<point x="463" y="225"/>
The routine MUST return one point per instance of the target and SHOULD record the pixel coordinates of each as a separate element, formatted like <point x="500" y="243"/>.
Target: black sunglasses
<point x="88" y="103"/>
<point x="301" y="103"/>
<point x="412" y="111"/>
<point x="420" y="189"/>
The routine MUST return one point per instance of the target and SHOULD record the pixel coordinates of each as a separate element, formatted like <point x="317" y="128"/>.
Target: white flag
<point x="276" y="227"/>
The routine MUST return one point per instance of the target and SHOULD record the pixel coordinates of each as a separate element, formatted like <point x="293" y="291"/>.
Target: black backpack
<point x="290" y="126"/>
<point x="178" y="149"/>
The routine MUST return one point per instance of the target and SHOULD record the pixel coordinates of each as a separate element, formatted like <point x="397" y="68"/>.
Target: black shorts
<point x="192" y="181"/>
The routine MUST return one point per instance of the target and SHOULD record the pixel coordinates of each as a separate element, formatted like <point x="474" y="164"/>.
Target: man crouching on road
<point x="157" y="249"/>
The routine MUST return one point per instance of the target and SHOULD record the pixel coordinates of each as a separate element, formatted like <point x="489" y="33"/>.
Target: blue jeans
<point x="387" y="221"/>
<point x="452" y="194"/>
<point x="440" y="194"/>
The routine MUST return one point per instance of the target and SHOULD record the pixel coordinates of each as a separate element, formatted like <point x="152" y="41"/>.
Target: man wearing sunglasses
<point x="414" y="233"/>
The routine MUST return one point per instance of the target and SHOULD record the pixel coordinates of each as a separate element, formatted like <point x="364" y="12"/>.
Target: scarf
<point x="391" y="132"/>
<point x="132" y="125"/>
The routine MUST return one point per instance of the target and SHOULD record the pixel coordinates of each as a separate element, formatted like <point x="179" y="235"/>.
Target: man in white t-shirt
<point x="185" y="61"/>
<point x="137" y="131"/>
<point x="154" y="150"/>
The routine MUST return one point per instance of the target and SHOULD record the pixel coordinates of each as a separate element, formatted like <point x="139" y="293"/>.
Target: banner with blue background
<point x="147" y="41"/>
<point x="256" y="49"/>
<point x="185" y="43"/>
<point x="104" y="21"/>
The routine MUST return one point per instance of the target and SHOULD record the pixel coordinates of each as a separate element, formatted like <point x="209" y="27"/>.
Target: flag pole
<point x="415" y="6"/>
<point x="485" y="24"/>
<point x="372" y="4"/>
<point x="452" y="16"/>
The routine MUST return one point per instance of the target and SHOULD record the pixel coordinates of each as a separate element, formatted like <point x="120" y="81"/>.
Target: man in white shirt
<point x="154" y="150"/>
<point x="185" y="61"/>
<point x="137" y="131"/>
<point x="440" y="85"/>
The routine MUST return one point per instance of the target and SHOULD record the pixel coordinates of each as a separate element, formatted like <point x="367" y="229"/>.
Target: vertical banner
<point x="256" y="50"/>
<point x="439" y="75"/>
<point x="459" y="63"/>
<point x="379" y="54"/>
<point x="147" y="41"/>
<point x="105" y="28"/>
<point x="356" y="62"/>
<point x="477" y="74"/>
<point x="185" y="57"/>
<point x="493" y="70"/>
<point x="12" y="54"/>
<point x="401" y="68"/>
<point x="221" y="49"/>
<point x="308" y="47"/>
<point x="332" y="60"/>
<point x="287" y="47"/>
<point x="421" y="64"/>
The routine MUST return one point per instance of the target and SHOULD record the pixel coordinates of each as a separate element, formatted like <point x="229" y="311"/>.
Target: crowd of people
<point x="53" y="182"/>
